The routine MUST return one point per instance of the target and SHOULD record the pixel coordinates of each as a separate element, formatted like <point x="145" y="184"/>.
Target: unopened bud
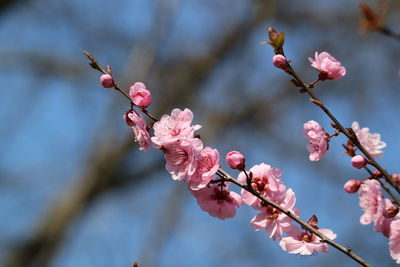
<point x="377" y="174"/>
<point x="358" y="161"/>
<point x="391" y="212"/>
<point x="272" y="33"/>
<point x="352" y="186"/>
<point x="127" y="118"/>
<point x="396" y="178"/>
<point x="280" y="62"/>
<point x="236" y="160"/>
<point x="107" y="81"/>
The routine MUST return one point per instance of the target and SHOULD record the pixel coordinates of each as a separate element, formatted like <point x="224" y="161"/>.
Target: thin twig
<point x="388" y="32"/>
<point x="94" y="64"/>
<point x="395" y="200"/>
<point x="293" y="216"/>
<point x="342" y="129"/>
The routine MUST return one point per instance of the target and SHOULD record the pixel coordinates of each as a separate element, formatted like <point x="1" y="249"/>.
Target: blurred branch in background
<point x="198" y="54"/>
<point x="7" y="4"/>
<point x="375" y="20"/>
<point x="102" y="172"/>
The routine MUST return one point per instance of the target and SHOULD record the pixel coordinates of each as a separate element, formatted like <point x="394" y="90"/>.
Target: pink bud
<point x="236" y="160"/>
<point x="396" y="178"/>
<point x="358" y="161"/>
<point x="352" y="186"/>
<point x="391" y="211"/>
<point x="127" y="119"/>
<point x="280" y="62"/>
<point x="140" y="96"/>
<point x="377" y="174"/>
<point x="107" y="81"/>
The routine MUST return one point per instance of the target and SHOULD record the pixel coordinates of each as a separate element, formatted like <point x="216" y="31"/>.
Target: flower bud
<point x="236" y="160"/>
<point x="391" y="212"/>
<point x="358" y="161"/>
<point x="127" y="118"/>
<point x="140" y="96"/>
<point x="396" y="178"/>
<point x="352" y="186"/>
<point x="280" y="62"/>
<point x="377" y="174"/>
<point x="272" y="34"/>
<point x="107" y="81"/>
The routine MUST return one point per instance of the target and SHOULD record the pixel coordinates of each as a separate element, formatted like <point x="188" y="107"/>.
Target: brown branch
<point x="304" y="224"/>
<point x="395" y="200"/>
<point x="342" y="129"/>
<point x="248" y="187"/>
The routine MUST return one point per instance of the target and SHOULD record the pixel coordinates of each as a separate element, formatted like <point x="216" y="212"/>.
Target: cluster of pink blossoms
<point x="266" y="181"/>
<point x="378" y="210"/>
<point x="188" y="160"/>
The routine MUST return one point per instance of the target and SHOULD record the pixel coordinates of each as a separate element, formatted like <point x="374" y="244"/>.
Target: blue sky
<point x="54" y="112"/>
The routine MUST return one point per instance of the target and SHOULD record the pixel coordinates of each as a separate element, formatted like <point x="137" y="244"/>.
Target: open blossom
<point x="174" y="127"/>
<point x="371" y="201"/>
<point x="139" y="128"/>
<point x="139" y="95"/>
<point x="317" y="143"/>
<point x="371" y="142"/>
<point x="304" y="243"/>
<point x="328" y="67"/>
<point x="265" y="180"/>
<point x="217" y="201"/>
<point x="394" y="241"/>
<point x="207" y="166"/>
<point x="181" y="157"/>
<point x="274" y="221"/>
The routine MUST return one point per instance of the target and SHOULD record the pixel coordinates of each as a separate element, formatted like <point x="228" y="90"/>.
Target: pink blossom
<point x="139" y="128"/>
<point x="140" y="96"/>
<point x="371" y="142"/>
<point x="328" y="67"/>
<point x="174" y="127"/>
<point x="280" y="62"/>
<point x="371" y="201"/>
<point x="304" y="243"/>
<point x="236" y="160"/>
<point x="358" y="161"/>
<point x="317" y="143"/>
<point x="352" y="186"/>
<point x="207" y="166"/>
<point x="274" y="221"/>
<point x="107" y="81"/>
<point x="181" y="157"/>
<point x="394" y="241"/>
<point x="265" y="180"/>
<point x="217" y="201"/>
<point x="382" y="224"/>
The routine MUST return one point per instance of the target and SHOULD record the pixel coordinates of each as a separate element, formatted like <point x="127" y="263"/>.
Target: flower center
<point x="260" y="184"/>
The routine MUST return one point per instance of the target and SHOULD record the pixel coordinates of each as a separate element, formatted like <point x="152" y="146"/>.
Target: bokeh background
<point x="75" y="190"/>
